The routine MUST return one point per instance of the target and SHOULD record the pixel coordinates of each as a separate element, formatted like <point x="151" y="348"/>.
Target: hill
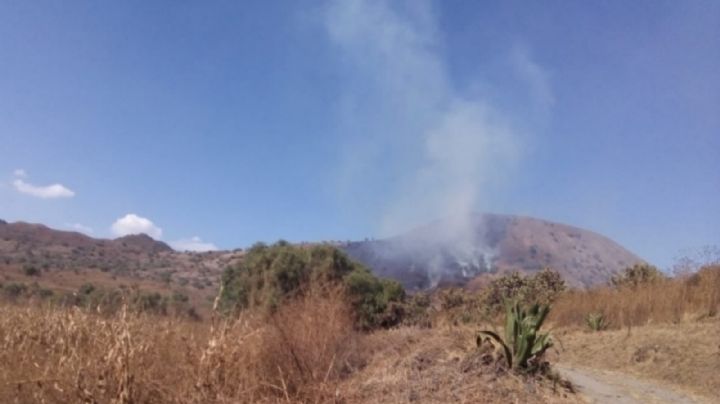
<point x="466" y="251"/>
<point x="64" y="261"/>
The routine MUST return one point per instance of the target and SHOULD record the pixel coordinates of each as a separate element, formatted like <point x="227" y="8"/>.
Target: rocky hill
<point x="466" y="251"/>
<point x="65" y="260"/>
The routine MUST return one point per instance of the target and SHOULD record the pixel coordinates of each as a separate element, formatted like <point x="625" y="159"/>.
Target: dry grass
<point x="306" y="352"/>
<point x="413" y="365"/>
<point x="668" y="301"/>
<point x="309" y="352"/>
<point x="69" y="355"/>
<point x="666" y="330"/>
<point x="62" y="282"/>
<point x="685" y="355"/>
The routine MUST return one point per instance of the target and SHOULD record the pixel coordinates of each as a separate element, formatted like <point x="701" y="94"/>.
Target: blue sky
<point x="223" y="123"/>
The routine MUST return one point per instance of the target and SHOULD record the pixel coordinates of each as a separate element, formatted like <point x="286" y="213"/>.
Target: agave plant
<point x="523" y="343"/>
<point x="596" y="321"/>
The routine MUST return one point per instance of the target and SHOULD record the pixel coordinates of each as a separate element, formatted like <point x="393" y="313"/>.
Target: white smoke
<point x="442" y="150"/>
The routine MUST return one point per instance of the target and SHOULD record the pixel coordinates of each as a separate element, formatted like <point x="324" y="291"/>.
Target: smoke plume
<point x="440" y="150"/>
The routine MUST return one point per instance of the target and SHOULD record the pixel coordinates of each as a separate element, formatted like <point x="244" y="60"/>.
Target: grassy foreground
<point x="308" y="351"/>
<point x="683" y="356"/>
<point x="692" y="297"/>
<point x="664" y="329"/>
<point x="311" y="350"/>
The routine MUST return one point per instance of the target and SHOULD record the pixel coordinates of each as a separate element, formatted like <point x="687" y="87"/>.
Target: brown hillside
<point x="489" y="244"/>
<point x="64" y="260"/>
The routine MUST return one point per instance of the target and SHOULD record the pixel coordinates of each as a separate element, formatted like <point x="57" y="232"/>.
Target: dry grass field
<point x="310" y="351"/>
<point x="693" y="297"/>
<point x="684" y="356"/>
<point x="307" y="352"/>
<point x="666" y="330"/>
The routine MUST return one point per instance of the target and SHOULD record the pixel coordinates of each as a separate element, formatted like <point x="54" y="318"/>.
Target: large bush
<point x="541" y="288"/>
<point x="636" y="275"/>
<point x="268" y="276"/>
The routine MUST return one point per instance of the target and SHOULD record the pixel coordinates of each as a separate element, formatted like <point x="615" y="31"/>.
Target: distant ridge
<point x="143" y="242"/>
<point x="432" y="255"/>
<point x="39" y="235"/>
<point x="492" y="244"/>
<point x="68" y="259"/>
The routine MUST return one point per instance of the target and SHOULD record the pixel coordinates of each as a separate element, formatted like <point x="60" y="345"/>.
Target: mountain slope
<point x="65" y="259"/>
<point x="466" y="251"/>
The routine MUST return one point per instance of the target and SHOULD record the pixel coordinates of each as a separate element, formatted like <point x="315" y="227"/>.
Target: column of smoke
<point x="405" y="121"/>
<point x="464" y="238"/>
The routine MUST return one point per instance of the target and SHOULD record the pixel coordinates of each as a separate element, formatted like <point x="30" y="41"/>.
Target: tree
<point x="638" y="274"/>
<point x="268" y="276"/>
<point x="547" y="285"/>
<point x="542" y="288"/>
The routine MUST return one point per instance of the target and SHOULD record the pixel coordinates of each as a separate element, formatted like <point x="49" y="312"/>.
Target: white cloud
<point x="19" y="172"/>
<point x="46" y="192"/>
<point x="193" y="244"/>
<point x="134" y="224"/>
<point x="80" y="227"/>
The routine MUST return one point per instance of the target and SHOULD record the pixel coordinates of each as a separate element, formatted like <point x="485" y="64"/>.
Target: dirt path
<point x="600" y="386"/>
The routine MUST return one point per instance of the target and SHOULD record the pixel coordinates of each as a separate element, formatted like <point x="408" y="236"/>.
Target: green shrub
<point x="523" y="345"/>
<point x="376" y="301"/>
<point x="596" y="321"/>
<point x="547" y="285"/>
<point x="417" y="310"/>
<point x="541" y="288"/>
<point x="636" y="275"/>
<point x="452" y="298"/>
<point x="267" y="276"/>
<point x="513" y="286"/>
<point x="149" y="303"/>
<point x="461" y="306"/>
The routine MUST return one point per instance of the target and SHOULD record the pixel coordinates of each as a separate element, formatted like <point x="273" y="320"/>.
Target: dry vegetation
<point x="685" y="356"/>
<point x="691" y="297"/>
<point x="73" y="355"/>
<point x="308" y="351"/>
<point x="311" y="349"/>
<point x="666" y="330"/>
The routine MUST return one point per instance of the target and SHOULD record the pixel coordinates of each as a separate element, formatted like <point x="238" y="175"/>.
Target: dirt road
<point x="600" y="386"/>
